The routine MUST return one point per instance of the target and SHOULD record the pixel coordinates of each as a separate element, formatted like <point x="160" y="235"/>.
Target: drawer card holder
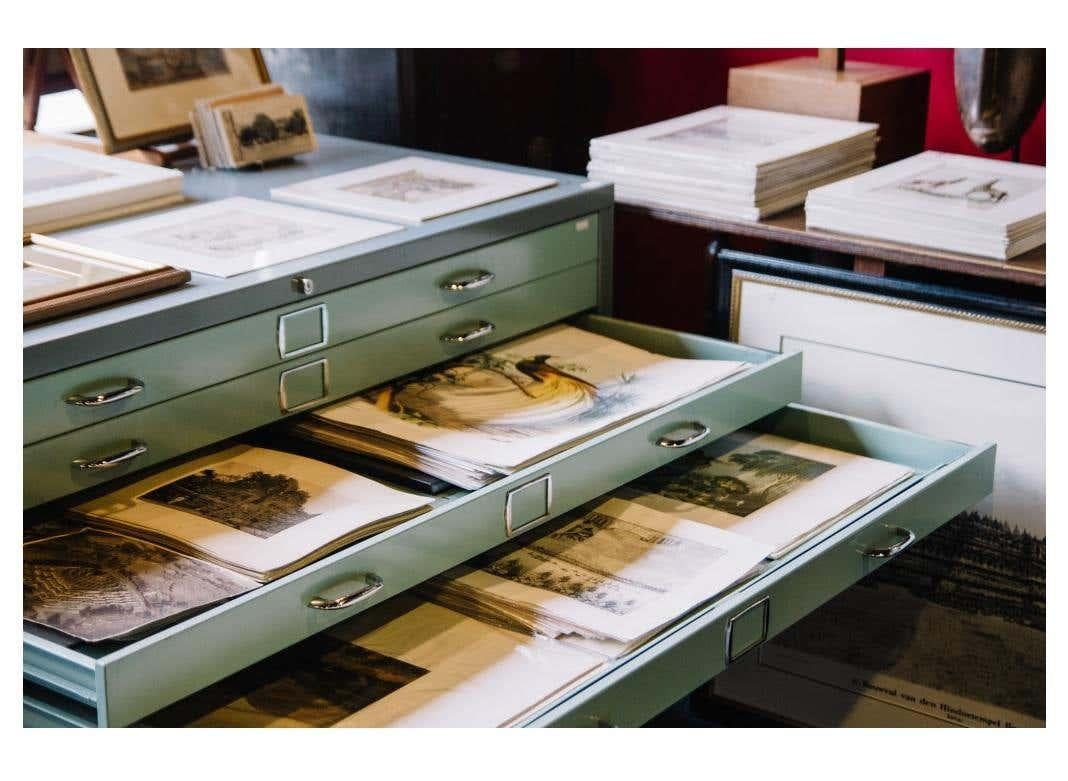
<point x="303" y="385"/>
<point x="747" y="629"/>
<point x="303" y="331"/>
<point x="528" y="505"/>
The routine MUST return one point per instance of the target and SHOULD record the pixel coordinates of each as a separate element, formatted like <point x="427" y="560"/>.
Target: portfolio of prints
<point x="490" y="413"/>
<point x="772" y="489"/>
<point x="64" y="187"/>
<point x="144" y="96"/>
<point x="220" y="238"/>
<point x="262" y="513"/>
<point x="410" y="189"/>
<point x="730" y="162"/>
<point x="95" y="585"/>
<point x="250" y="127"/>
<point x="405" y="663"/>
<point x="960" y="203"/>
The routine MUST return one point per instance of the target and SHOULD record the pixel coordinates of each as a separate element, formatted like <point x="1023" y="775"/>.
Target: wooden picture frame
<point x="89" y="296"/>
<point x="144" y="96"/>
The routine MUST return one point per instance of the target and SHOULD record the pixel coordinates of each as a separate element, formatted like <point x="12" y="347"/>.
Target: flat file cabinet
<point x="132" y="386"/>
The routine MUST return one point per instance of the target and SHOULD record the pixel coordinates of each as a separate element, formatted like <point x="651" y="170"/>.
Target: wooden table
<point x="869" y="255"/>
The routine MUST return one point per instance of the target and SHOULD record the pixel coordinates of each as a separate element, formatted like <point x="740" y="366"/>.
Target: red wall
<point x="653" y="84"/>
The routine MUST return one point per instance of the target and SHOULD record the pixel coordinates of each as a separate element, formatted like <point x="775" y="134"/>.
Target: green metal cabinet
<point x="227" y="356"/>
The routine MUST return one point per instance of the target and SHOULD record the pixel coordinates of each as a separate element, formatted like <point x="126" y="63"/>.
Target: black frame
<point x="724" y="262"/>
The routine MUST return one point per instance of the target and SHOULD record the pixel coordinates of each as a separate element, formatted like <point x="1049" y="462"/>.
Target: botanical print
<point x="504" y="396"/>
<point x="145" y="68"/>
<point x="951" y="182"/>
<point x="738" y="482"/>
<point x="410" y="187"/>
<point x="315" y="683"/>
<point x="96" y="586"/>
<point x="606" y="562"/>
<point x="727" y="131"/>
<point x="43" y="173"/>
<point x="251" y="501"/>
<point x="229" y="234"/>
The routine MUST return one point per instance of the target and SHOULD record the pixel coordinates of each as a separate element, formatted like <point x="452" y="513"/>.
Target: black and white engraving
<point x="412" y="186"/>
<point x="955" y="183"/>
<point x="146" y="68"/>
<point x="99" y="586"/>
<point x="230" y="234"/>
<point x="728" y="131"/>
<point x="738" y="482"/>
<point x="254" y="502"/>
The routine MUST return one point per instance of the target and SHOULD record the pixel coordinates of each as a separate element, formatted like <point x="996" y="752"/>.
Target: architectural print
<point x="99" y="586"/>
<point x="410" y="187"/>
<point x="254" y="502"/>
<point x="738" y="483"/>
<point x="230" y="234"/>
<point x="146" y="68"/>
<point x="504" y="396"/>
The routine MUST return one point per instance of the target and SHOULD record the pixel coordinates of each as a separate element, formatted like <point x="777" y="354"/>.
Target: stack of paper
<point x="404" y="663"/>
<point x="259" y="512"/>
<point x="731" y="162"/>
<point x="960" y="203"/>
<point x="63" y="187"/>
<point x="775" y="490"/>
<point x="617" y="573"/>
<point x="472" y="421"/>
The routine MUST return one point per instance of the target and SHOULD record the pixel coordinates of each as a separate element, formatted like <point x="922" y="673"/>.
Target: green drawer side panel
<point x="205" y="416"/>
<point x="653" y="678"/>
<point x="274" y="616"/>
<point x="179" y="366"/>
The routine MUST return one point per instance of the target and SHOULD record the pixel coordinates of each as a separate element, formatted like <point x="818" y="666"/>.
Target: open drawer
<point x="118" y="684"/>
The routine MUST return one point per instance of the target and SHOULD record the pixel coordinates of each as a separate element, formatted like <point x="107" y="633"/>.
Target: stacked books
<point x="491" y="413"/>
<point x="614" y="575"/>
<point x="731" y="162"/>
<point x="258" y="512"/>
<point x="63" y="187"/>
<point x="253" y="126"/>
<point x="972" y="205"/>
<point x="405" y="663"/>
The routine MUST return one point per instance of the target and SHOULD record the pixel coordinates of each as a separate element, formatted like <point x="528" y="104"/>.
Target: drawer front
<point x="166" y="430"/>
<point x="104" y="389"/>
<point x="277" y="615"/>
<point x="651" y="679"/>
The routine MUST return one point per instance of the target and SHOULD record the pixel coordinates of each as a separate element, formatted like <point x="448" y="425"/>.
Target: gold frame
<point x="87" y="83"/>
<point x="738" y="277"/>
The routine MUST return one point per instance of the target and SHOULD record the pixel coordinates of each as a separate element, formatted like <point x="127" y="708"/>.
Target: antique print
<point x="100" y="586"/>
<point x="581" y="561"/>
<point x="738" y="483"/>
<point x="976" y="189"/>
<point x="145" y="68"/>
<point x="254" y="501"/>
<point x="230" y="234"/>
<point x="411" y="186"/>
<point x="728" y="132"/>
<point x="41" y="173"/>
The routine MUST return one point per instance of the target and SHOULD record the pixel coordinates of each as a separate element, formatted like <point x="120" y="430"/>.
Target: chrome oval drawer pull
<point x="112" y="461"/>
<point x="482" y="328"/>
<point x="133" y="387"/>
<point x="468" y="282"/>
<point x="700" y="432"/>
<point x="374" y="583"/>
<point x="887" y="551"/>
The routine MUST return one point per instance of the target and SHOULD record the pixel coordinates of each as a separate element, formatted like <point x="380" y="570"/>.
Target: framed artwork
<point x="410" y="189"/>
<point x="220" y="238"/>
<point x="57" y="283"/>
<point x="144" y="96"/>
<point x="952" y="631"/>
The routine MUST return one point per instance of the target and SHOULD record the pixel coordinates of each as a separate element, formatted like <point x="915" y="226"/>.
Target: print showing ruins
<point x="316" y="683"/>
<point x="738" y="483"/>
<point x="145" y="68"/>
<point x="410" y="187"/>
<point x="963" y="611"/>
<point x="254" y="502"/>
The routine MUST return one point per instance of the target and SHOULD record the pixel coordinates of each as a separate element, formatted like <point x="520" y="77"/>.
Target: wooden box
<point x="893" y="96"/>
